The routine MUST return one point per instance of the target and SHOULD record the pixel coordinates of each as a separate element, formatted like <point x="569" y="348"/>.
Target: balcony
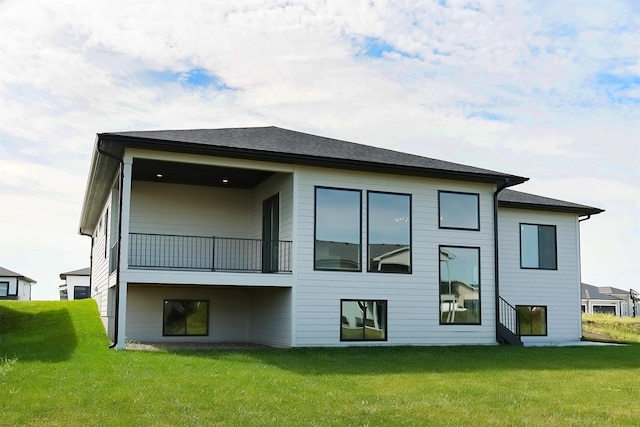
<point x="208" y="253"/>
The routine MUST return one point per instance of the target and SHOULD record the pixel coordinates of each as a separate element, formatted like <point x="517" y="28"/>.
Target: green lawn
<point x="56" y="369"/>
<point x="606" y="327"/>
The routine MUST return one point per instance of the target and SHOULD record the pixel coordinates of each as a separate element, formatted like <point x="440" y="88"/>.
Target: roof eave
<point x="101" y="173"/>
<point x="586" y="210"/>
<point x="291" y="158"/>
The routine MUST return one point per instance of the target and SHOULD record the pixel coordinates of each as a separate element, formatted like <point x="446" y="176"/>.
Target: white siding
<point x="235" y="314"/>
<point x="559" y="289"/>
<point x="73" y="281"/>
<point x="281" y="184"/>
<point x="18" y="289"/>
<point x="413" y="299"/>
<point x="100" y="268"/>
<point x="270" y="319"/>
<point x="190" y="210"/>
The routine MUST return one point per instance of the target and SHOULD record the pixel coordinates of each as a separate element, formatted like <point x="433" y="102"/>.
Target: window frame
<point x="531" y="307"/>
<point x="386" y="321"/>
<point x="106" y="233"/>
<point x="164" y="304"/>
<point x="6" y="294"/>
<point x="87" y="289"/>
<point x="440" y="312"/>
<point x="444" y="227"/>
<point x="555" y="246"/>
<point x="410" y="213"/>
<point x="315" y="229"/>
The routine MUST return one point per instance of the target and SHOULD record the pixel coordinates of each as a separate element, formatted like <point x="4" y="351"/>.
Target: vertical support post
<point x="124" y="253"/>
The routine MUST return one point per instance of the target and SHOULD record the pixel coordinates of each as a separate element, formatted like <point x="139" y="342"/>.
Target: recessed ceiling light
<point x="225" y="181"/>
<point x="159" y="175"/>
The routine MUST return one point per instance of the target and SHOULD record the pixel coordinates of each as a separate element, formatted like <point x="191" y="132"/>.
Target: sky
<point x="547" y="90"/>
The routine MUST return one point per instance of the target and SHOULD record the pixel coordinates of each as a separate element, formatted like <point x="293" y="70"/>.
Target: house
<point x="15" y="286"/>
<point x="609" y="300"/>
<point x="77" y="284"/>
<point x="283" y="238"/>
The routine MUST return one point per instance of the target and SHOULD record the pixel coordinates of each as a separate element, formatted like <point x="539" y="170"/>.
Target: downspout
<point x="117" y="302"/>
<point x="496" y="254"/>
<point x="584" y="219"/>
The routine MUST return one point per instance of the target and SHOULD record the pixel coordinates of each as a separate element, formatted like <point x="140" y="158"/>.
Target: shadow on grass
<point x="43" y="335"/>
<point x="403" y="360"/>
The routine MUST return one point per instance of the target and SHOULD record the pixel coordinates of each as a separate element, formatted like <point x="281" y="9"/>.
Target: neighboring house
<point x="77" y="284"/>
<point x="609" y="300"/>
<point x="15" y="286"/>
<point x="288" y="239"/>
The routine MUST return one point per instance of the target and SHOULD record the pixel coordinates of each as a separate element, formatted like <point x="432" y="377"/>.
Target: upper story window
<point x="459" y="210"/>
<point x="538" y="247"/>
<point x="338" y="229"/>
<point x="389" y="232"/>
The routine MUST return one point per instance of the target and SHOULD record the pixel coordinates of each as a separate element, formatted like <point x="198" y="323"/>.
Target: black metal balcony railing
<point x="174" y="252"/>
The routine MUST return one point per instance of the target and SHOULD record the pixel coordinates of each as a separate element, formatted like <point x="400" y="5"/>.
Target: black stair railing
<point x="508" y="329"/>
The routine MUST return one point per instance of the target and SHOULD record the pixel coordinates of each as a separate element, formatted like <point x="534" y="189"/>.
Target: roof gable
<point x="80" y="272"/>
<point x="4" y="272"/>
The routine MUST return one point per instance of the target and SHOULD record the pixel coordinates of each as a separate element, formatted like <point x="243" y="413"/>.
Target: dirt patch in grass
<point x="176" y="346"/>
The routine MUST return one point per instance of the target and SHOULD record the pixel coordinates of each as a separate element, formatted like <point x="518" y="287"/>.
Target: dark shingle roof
<point x="4" y="272"/>
<point x="611" y="290"/>
<point x="283" y="145"/>
<point x="593" y="292"/>
<point x="516" y="199"/>
<point x="81" y="272"/>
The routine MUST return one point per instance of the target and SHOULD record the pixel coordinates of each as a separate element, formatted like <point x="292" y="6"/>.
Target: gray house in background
<point x="609" y="300"/>
<point x="14" y="285"/>
<point x="77" y="284"/>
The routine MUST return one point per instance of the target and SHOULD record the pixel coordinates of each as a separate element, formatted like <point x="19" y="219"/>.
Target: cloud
<point x="547" y="90"/>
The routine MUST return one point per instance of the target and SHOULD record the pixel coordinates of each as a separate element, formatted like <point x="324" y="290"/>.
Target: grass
<point x="56" y="369"/>
<point x="606" y="327"/>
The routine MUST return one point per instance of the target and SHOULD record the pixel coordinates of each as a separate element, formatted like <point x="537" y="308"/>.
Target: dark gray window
<point x="604" y="309"/>
<point x="459" y="210"/>
<point x="363" y="320"/>
<point x="81" y="292"/>
<point x="389" y="232"/>
<point x="538" y="246"/>
<point x="532" y="320"/>
<point x="4" y="289"/>
<point x="459" y="285"/>
<point x="338" y="229"/>
<point x="185" y="317"/>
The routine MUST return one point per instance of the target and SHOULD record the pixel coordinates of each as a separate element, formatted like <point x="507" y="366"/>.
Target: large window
<point x="185" y="317"/>
<point x="538" y="246"/>
<point x="389" y="232"/>
<point x="459" y="210"/>
<point x="459" y="285"/>
<point x="363" y="320"/>
<point x="338" y="229"/>
<point x="4" y="289"/>
<point x="532" y="320"/>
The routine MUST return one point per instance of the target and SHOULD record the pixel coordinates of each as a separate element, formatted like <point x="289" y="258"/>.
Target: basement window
<point x="532" y="320"/>
<point x="363" y="320"/>
<point x="185" y="317"/>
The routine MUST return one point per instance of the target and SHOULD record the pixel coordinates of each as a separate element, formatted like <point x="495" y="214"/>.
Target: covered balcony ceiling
<point x="195" y="174"/>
